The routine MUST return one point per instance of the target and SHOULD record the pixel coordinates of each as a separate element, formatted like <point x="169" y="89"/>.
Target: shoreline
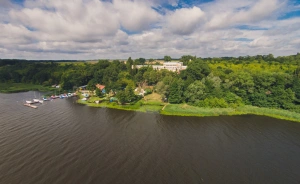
<point x="8" y="88"/>
<point x="173" y="109"/>
<point x="192" y="111"/>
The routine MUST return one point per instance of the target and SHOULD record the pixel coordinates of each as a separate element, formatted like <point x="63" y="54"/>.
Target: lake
<point x="66" y="143"/>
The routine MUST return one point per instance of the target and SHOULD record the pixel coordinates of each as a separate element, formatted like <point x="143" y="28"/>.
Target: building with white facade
<point x="171" y="66"/>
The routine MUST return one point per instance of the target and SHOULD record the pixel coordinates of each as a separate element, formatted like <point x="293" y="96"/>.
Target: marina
<point x="29" y="103"/>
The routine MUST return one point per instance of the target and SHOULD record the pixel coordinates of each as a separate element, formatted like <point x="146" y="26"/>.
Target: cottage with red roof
<point x="101" y="87"/>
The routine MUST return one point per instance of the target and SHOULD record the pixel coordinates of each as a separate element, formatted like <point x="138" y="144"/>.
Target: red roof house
<point x="99" y="86"/>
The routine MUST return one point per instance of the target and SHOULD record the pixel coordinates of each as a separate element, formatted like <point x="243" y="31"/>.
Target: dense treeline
<point x="262" y="81"/>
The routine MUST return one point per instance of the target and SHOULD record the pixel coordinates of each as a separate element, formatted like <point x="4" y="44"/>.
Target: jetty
<point x="32" y="106"/>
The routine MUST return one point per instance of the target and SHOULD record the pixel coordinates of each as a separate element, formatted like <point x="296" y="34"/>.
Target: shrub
<point x="148" y="91"/>
<point x="213" y="103"/>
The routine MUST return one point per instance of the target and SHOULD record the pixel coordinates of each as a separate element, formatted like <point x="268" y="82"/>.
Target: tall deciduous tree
<point x="187" y="58"/>
<point x="176" y="92"/>
<point x="121" y="95"/>
<point x="195" y="92"/>
<point x="130" y="96"/>
<point x="129" y="64"/>
<point x="197" y="70"/>
<point x="98" y="92"/>
<point x="167" y="58"/>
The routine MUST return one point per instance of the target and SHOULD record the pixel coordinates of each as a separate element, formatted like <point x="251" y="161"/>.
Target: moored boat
<point x="32" y="106"/>
<point x="45" y="99"/>
<point x="41" y="101"/>
<point x="28" y="102"/>
<point x="35" y="100"/>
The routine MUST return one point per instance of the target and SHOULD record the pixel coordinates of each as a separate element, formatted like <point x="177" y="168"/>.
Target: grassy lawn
<point x="275" y="113"/>
<point x="21" y="87"/>
<point x="187" y="110"/>
<point x="150" y="104"/>
<point x="153" y="97"/>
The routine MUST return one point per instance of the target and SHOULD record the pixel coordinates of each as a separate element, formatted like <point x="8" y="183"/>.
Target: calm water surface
<point x="63" y="142"/>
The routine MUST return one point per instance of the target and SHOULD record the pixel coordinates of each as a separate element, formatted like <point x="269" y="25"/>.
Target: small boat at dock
<point x="36" y="100"/>
<point x="41" y="101"/>
<point x="32" y="106"/>
<point x="45" y="99"/>
<point x="28" y="102"/>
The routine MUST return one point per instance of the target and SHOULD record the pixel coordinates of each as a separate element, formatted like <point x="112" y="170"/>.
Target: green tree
<point x="151" y="60"/>
<point x="296" y="88"/>
<point x="187" y="58"/>
<point x="176" y="90"/>
<point x="129" y="64"/>
<point x="162" y="89"/>
<point x="242" y="84"/>
<point x="195" y="92"/>
<point x="167" y="58"/>
<point x="130" y="96"/>
<point x="197" y="70"/>
<point x="91" y="86"/>
<point x="98" y="92"/>
<point x="121" y="95"/>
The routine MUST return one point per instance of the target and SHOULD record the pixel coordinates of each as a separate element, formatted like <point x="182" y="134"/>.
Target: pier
<point x="32" y="106"/>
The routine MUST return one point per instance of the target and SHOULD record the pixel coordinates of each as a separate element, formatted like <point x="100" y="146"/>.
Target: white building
<point x="171" y="66"/>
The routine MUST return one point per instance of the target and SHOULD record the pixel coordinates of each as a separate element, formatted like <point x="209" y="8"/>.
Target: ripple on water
<point x="63" y="142"/>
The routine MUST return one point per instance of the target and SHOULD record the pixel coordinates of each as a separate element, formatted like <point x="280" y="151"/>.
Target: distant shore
<point x="187" y="110"/>
<point x="22" y="87"/>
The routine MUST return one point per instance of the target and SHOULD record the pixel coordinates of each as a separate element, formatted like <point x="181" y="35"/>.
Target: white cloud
<point x="70" y="21"/>
<point x="135" y="15"/>
<point x="91" y="29"/>
<point x="184" y="21"/>
<point x="243" y="12"/>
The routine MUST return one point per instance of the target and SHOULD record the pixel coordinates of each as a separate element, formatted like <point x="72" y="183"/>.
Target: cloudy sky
<point x="94" y="29"/>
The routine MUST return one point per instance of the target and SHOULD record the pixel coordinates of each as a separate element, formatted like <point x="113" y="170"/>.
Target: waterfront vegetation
<point x="22" y="87"/>
<point x="262" y="85"/>
<point x="188" y="110"/>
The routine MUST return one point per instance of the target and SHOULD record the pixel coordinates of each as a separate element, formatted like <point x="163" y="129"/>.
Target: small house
<point x="101" y="87"/>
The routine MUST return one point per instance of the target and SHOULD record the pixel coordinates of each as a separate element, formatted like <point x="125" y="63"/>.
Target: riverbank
<point x="22" y="87"/>
<point x="141" y="106"/>
<point x="187" y="110"/>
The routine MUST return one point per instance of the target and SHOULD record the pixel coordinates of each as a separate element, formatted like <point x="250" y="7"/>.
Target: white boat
<point x="41" y="101"/>
<point x="28" y="102"/>
<point x="36" y="100"/>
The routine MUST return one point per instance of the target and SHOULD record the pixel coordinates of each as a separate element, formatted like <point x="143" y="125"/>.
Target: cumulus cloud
<point x="135" y="15"/>
<point x="75" y="20"/>
<point x="184" y="21"/>
<point x="91" y="29"/>
<point x="244" y="12"/>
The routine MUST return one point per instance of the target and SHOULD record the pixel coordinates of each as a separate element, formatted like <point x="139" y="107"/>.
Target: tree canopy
<point x="262" y="80"/>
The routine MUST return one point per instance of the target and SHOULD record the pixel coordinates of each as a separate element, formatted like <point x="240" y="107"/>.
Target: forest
<point x="262" y="80"/>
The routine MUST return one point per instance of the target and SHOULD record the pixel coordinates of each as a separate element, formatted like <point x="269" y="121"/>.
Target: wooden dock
<point x="32" y="106"/>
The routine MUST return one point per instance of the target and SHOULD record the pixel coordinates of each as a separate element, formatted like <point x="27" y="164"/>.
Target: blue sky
<point x="93" y="29"/>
